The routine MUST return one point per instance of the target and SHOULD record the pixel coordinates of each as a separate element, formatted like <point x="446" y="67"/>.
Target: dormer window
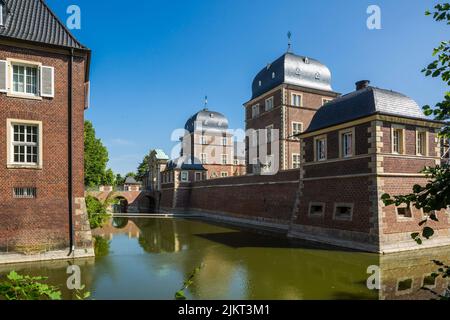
<point x="273" y="75"/>
<point x="260" y="83"/>
<point x="2" y="13"/>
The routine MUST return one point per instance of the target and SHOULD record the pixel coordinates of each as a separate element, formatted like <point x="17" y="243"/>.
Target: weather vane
<point x="206" y="101"/>
<point x="289" y="35"/>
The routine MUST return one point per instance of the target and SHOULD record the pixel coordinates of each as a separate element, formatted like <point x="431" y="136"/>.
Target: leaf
<point x="427" y="232"/>
<point x="421" y="223"/>
<point x="180" y="295"/>
<point x="415" y="235"/>
<point x="418" y="240"/>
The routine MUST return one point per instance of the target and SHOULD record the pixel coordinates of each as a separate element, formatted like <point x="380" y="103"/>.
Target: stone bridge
<point x="129" y="201"/>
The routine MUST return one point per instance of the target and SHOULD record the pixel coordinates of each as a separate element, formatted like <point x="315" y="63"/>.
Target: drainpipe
<point x="70" y="156"/>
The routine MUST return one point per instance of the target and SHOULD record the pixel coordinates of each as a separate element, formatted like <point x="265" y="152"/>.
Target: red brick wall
<point x="44" y="219"/>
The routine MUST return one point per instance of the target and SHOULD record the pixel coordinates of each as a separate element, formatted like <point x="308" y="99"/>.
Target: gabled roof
<point x="33" y="20"/>
<point x="131" y="180"/>
<point x="362" y="103"/>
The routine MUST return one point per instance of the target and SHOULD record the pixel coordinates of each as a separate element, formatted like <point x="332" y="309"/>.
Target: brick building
<point x="44" y="82"/>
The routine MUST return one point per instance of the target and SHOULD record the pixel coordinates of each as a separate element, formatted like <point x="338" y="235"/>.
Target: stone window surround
<point x="316" y="155"/>
<point x="184" y="176"/>
<point x="293" y="161"/>
<point x="292" y="99"/>
<point x="198" y="173"/>
<point x="422" y="130"/>
<point x="28" y="63"/>
<point x="341" y="142"/>
<point x="343" y="204"/>
<point x="321" y="215"/>
<point x="10" y="164"/>
<point x="293" y="123"/>
<point x="223" y="174"/>
<point x="255" y="111"/>
<point x="266" y="103"/>
<point x="404" y="219"/>
<point x="395" y="127"/>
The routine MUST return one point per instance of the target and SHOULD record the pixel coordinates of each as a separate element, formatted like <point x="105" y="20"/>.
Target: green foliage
<point x="96" y="212"/>
<point x="119" y="181"/>
<point x="95" y="157"/>
<point x="180" y="294"/>
<point x="101" y="246"/>
<point x="109" y="179"/>
<point x="142" y="169"/>
<point x="19" y="287"/>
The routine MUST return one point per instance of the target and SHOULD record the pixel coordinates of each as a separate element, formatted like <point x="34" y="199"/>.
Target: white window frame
<point x="317" y="157"/>
<point x="25" y="66"/>
<point x="293" y="95"/>
<point x="342" y="204"/>
<point x="1" y="14"/>
<point x="255" y="111"/>
<point x="316" y="215"/>
<point x="10" y="144"/>
<point x="294" y="155"/>
<point x="224" y="159"/>
<point x="224" y="141"/>
<point x="401" y="143"/>
<point x="198" y="173"/>
<point x="236" y="162"/>
<point x="268" y="104"/>
<point x="342" y="149"/>
<point x="184" y="176"/>
<point x="203" y="140"/>
<point x="203" y="158"/>
<point x="403" y="218"/>
<point x="420" y="131"/>
<point x="295" y="132"/>
<point x="224" y="174"/>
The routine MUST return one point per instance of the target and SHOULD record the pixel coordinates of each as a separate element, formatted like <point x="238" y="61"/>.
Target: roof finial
<point x="206" y="102"/>
<point x="289" y="35"/>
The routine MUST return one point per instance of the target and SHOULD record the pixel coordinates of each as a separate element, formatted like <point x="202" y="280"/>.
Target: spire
<point x="289" y="35"/>
<point x="206" y="103"/>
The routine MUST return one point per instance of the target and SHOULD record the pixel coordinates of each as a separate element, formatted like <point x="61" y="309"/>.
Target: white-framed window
<point x="236" y="162"/>
<point x="224" y="159"/>
<point x="421" y="142"/>
<point x="2" y="9"/>
<point x="198" y="176"/>
<point x="295" y="160"/>
<point x="25" y="193"/>
<point x="273" y="75"/>
<point x="255" y="111"/>
<point x="269" y="104"/>
<point x="347" y="143"/>
<point x="325" y="101"/>
<point x="320" y="148"/>
<point x="203" y="140"/>
<point x="296" y="100"/>
<point x="24" y="143"/>
<point x="343" y="211"/>
<point x="398" y="139"/>
<point x="297" y="128"/>
<point x="224" y="174"/>
<point x="224" y="141"/>
<point x="24" y="79"/>
<point x="316" y="209"/>
<point x="404" y="212"/>
<point x="184" y="176"/>
<point x="203" y="158"/>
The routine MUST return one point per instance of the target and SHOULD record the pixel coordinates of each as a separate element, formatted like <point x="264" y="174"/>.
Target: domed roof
<point x="207" y="120"/>
<point x="362" y="103"/>
<point x="292" y="69"/>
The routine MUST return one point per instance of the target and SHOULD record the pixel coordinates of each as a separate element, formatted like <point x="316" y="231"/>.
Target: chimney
<point x="362" y="84"/>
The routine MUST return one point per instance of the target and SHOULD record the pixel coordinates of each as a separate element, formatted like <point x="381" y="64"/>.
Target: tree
<point x="109" y="178"/>
<point x="119" y="180"/>
<point x="95" y="157"/>
<point x="142" y="169"/>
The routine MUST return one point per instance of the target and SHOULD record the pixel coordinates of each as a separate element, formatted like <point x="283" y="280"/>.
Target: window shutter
<point x="3" y="76"/>
<point x="47" y="82"/>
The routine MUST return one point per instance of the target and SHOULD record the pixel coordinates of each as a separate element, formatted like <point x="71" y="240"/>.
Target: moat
<point x="149" y="258"/>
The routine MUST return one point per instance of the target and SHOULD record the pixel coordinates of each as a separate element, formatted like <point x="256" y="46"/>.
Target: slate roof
<point x="33" y="20"/>
<point x="131" y="180"/>
<point x="362" y="103"/>
<point x="185" y="163"/>
<point x="160" y="154"/>
<point x="292" y="69"/>
<point x="206" y="120"/>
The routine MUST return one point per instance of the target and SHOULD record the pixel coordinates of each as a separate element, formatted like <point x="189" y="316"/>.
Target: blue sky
<point x="154" y="61"/>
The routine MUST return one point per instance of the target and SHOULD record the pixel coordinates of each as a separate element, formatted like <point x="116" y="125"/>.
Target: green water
<point x="148" y="258"/>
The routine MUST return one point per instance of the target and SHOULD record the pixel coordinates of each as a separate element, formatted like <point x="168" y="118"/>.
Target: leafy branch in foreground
<point x="180" y="295"/>
<point x="19" y="287"/>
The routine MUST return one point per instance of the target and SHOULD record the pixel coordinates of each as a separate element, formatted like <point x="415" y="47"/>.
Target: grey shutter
<point x="3" y="76"/>
<point x="47" y="82"/>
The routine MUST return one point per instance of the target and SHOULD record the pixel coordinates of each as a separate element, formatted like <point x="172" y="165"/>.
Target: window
<point x="346" y="143"/>
<point x="325" y="101"/>
<point x="224" y="141"/>
<point x="1" y="13"/>
<point x="343" y="211"/>
<point x="198" y="176"/>
<point x="224" y="174"/>
<point x="236" y="162"/>
<point x="203" y="140"/>
<point x="297" y="128"/>
<point x="25" y="79"/>
<point x="404" y="285"/>
<point x="273" y="75"/>
<point x="296" y="100"/>
<point x="269" y="133"/>
<point x="320" y="148"/>
<point x="25" y="193"/>
<point x="397" y="139"/>
<point x="184" y="176"/>
<point x="316" y="209"/>
<point x="25" y="144"/>
<point x="203" y="158"/>
<point x="421" y="144"/>
<point x="296" y="161"/>
<point x="269" y="104"/>
<point x="429" y="281"/>
<point x="260" y="83"/>
<point x="224" y="159"/>
<point x="255" y="111"/>
<point x="404" y="212"/>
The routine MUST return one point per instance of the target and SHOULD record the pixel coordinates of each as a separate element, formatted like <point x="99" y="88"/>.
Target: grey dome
<point x="363" y="103"/>
<point x="207" y="120"/>
<point x="292" y="69"/>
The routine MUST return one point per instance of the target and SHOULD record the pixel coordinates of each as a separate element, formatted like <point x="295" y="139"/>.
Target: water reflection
<point x="146" y="258"/>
